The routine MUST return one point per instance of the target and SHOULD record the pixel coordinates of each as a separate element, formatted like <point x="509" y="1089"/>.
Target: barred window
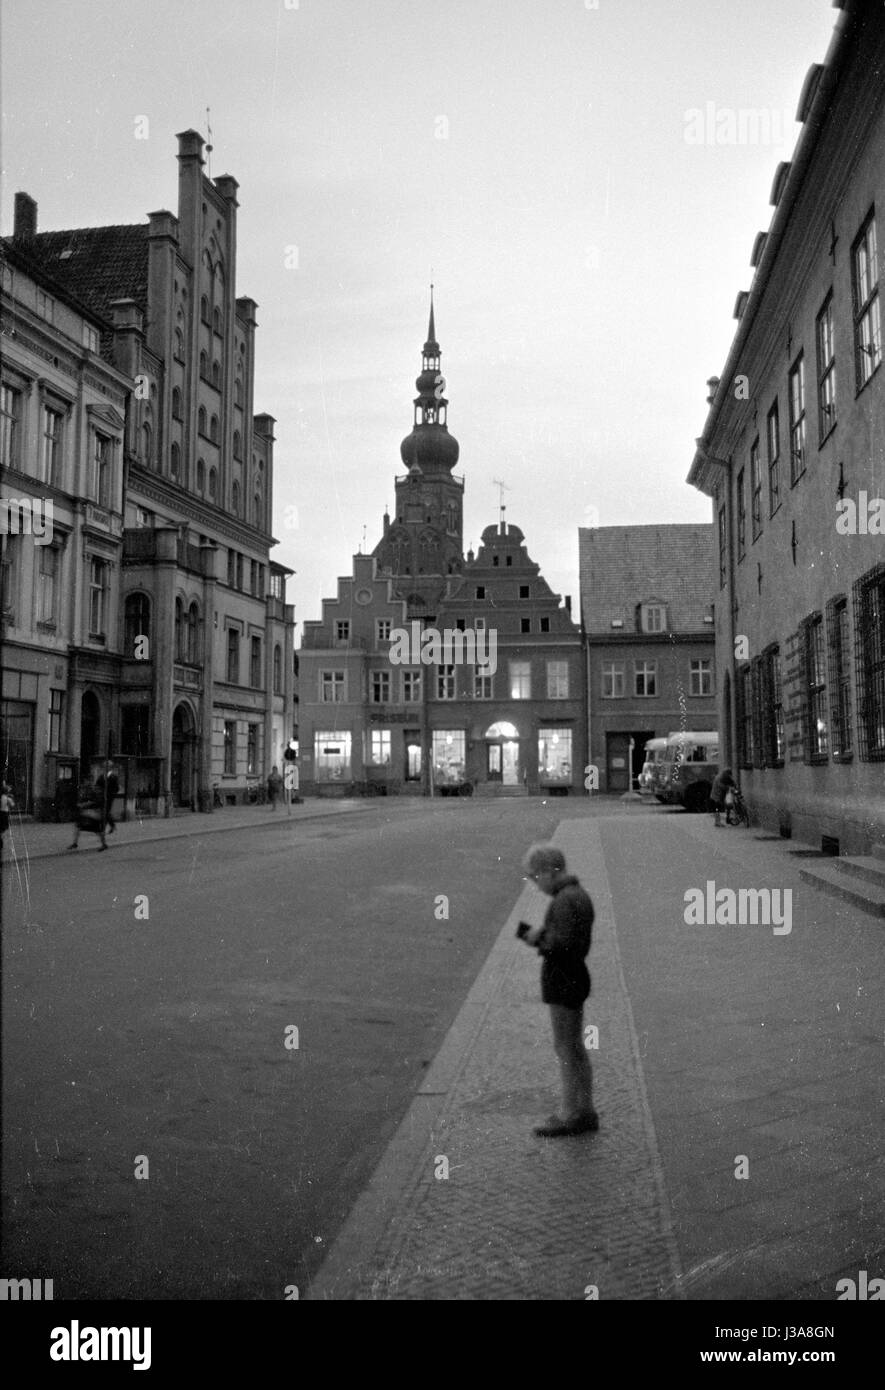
<point x="816" y="734"/>
<point x="865" y="287"/>
<point x="380" y="687"/>
<point x="839" y="649"/>
<point x="756" y="484"/>
<point x="445" y="682"/>
<point x="869" y="656"/>
<point x="773" y="434"/>
<point x="797" y="419"/>
<point x="826" y="369"/>
<point x="741" y="515"/>
<point x="773" y="738"/>
<point x="745" y="716"/>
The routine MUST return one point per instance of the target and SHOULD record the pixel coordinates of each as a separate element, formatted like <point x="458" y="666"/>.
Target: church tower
<point x="423" y="543"/>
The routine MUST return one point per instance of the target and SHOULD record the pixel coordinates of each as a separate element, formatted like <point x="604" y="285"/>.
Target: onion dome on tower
<point x="430" y="447"/>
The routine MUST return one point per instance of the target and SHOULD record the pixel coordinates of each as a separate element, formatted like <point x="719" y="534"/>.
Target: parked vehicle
<point x="654" y="752"/>
<point x="686" y="772"/>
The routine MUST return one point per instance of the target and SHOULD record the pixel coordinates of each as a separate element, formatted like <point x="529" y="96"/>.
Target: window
<point x="277" y="670"/>
<point x="257" y="509"/>
<point x="238" y="391"/>
<point x="201" y="474"/>
<point x="524" y="591"/>
<point x="136" y="622"/>
<point x="143" y="518"/>
<point x="90" y="338"/>
<point x="47" y="587"/>
<point x="869" y="650"/>
<point x="756" y="484"/>
<point x="445" y="682"/>
<point x="213" y="429"/>
<point x="178" y="347"/>
<point x="520" y="680"/>
<point x="235" y="499"/>
<point x="383" y="628"/>
<point x="773" y="436"/>
<point x="746" y="751"/>
<point x="179" y="630"/>
<point x="233" y="656"/>
<point x="192" y="636"/>
<point x="448" y="755"/>
<point x="332" y="756"/>
<point x="525" y="624"/>
<point x="177" y="412"/>
<point x="545" y="624"/>
<point x="255" y="663"/>
<point x="175" y="463"/>
<point x="700" y="677"/>
<point x="147" y="443"/>
<point x="253" y="578"/>
<point x="865" y="286"/>
<point x="742" y="514"/>
<point x="645" y="679"/>
<point x="826" y="369"/>
<point x="276" y="586"/>
<point x="482" y="683"/>
<point x="816" y="744"/>
<point x="773" y="739"/>
<point x="380" y="687"/>
<point x="213" y="484"/>
<point x="480" y="591"/>
<point x="232" y="568"/>
<point x="251" y="749"/>
<point x="204" y="308"/>
<point x="56" y="720"/>
<point x="332" y="687"/>
<point x="9" y="572"/>
<point x="654" y="617"/>
<point x="238" y="451"/>
<point x="411" y="687"/>
<point x="342" y="630"/>
<point x="101" y="469"/>
<point x="10" y="426"/>
<point x="839" y="642"/>
<point x="555" y="755"/>
<point x="98" y="592"/>
<point x="201" y="420"/>
<point x="135" y="730"/>
<point x="612" y="680"/>
<point x="230" y="747"/>
<point x="723" y="547"/>
<point x="50" y="459"/>
<point x="204" y="366"/>
<point x="45" y="306"/>
<point x="240" y="564"/>
<point x="216" y="320"/>
<point x="379" y="748"/>
<point x="557" y="680"/>
<point x="797" y="419"/>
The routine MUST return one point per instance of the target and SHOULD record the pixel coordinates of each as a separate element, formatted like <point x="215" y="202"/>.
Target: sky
<point x="586" y="238"/>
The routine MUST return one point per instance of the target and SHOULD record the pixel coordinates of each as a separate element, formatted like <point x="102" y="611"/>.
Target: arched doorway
<point x="90" y="733"/>
<point x="502" y="754"/>
<point x="184" y="740"/>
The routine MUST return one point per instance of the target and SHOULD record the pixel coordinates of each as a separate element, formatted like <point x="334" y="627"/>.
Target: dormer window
<point x="653" y="617"/>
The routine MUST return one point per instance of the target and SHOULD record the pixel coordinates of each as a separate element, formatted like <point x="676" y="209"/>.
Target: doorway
<point x="625" y="755"/>
<point x="90" y="733"/>
<point x="181" y="772"/>
<point x="502" y="754"/>
<point x="413" y="755"/>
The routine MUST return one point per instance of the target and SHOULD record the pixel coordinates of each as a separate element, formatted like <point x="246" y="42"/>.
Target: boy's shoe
<point x="556" y="1128"/>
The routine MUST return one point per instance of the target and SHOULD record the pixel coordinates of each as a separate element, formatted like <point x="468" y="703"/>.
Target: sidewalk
<point x="26" y="840"/>
<point x="749" y="1044"/>
<point x="518" y="1217"/>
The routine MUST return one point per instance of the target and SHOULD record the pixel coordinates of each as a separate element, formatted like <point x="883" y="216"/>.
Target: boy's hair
<point x="544" y="858"/>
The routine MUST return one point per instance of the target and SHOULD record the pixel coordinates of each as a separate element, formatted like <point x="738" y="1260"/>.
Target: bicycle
<point x="737" y="811"/>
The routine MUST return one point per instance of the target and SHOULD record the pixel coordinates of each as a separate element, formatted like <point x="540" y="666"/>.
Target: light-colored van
<point x="687" y="769"/>
<point x="654" y="753"/>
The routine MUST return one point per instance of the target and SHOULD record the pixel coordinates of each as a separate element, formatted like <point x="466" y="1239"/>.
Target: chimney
<point x="25" y="224"/>
<point x="568" y="604"/>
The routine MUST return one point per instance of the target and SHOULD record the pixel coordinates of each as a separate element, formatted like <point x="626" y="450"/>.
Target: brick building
<point x="206" y="699"/>
<point x="373" y="718"/>
<point x="647" y="614"/>
<point x="793" y="456"/>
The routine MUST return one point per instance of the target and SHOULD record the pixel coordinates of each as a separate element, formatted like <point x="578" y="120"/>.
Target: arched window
<point x="176" y="403"/>
<point x="277" y="670"/>
<point x="213" y="485"/>
<point x="201" y="475"/>
<point x="256" y="509"/>
<point x="146" y="443"/>
<point x="216" y="375"/>
<point x="201" y="419"/>
<point x="204" y="366"/>
<point x="178" y="348"/>
<point x="238" y="391"/>
<point x="175" y="462"/>
<point x="204" y="308"/>
<point x="235" y="499"/>
<point x="179" y="630"/>
<point x="238" y="453"/>
<point x="137" y="622"/>
<point x="216" y="319"/>
<point x="213" y="429"/>
<point x="192" y="649"/>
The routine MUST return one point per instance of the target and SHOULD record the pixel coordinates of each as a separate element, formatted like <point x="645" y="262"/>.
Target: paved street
<point x="421" y="1038"/>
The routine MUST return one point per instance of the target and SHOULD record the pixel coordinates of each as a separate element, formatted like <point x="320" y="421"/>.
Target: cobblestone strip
<point x="467" y="1203"/>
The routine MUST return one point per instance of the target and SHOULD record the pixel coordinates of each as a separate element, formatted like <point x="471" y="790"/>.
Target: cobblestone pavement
<point x="518" y="1217"/>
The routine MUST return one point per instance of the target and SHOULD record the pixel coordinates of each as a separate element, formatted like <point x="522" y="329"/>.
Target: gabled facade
<point x="793" y="457"/>
<point x="396" y="693"/>
<point x="201" y="697"/>
<point x="647" y="614"/>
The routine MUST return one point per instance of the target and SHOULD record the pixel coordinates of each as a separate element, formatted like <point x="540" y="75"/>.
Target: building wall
<point x="799" y="771"/>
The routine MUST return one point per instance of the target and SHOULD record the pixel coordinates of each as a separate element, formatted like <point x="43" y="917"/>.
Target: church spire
<point x="431" y="328"/>
<point x="430" y="446"/>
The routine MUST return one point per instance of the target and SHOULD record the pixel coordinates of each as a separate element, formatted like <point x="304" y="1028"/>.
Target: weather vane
<point x="502" y="488"/>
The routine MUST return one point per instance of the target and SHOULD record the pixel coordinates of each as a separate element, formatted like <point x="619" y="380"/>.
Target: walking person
<point x="723" y="782"/>
<point x="6" y="805"/>
<point x="110" y="787"/>
<point x="563" y="942"/>
<point x="274" y="786"/>
<point x="91" y="814"/>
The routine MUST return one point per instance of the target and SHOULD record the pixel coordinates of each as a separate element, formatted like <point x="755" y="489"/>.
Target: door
<point x="494" y="762"/>
<point x="90" y="729"/>
<point x="510" y="757"/>
<point x="181" y="768"/>
<point x="617" y="762"/>
<point x="413" y="756"/>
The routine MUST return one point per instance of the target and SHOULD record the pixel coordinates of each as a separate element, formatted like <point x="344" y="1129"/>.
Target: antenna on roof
<point x="208" y="145"/>
<point x="363" y="541"/>
<point x="502" y="488"/>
